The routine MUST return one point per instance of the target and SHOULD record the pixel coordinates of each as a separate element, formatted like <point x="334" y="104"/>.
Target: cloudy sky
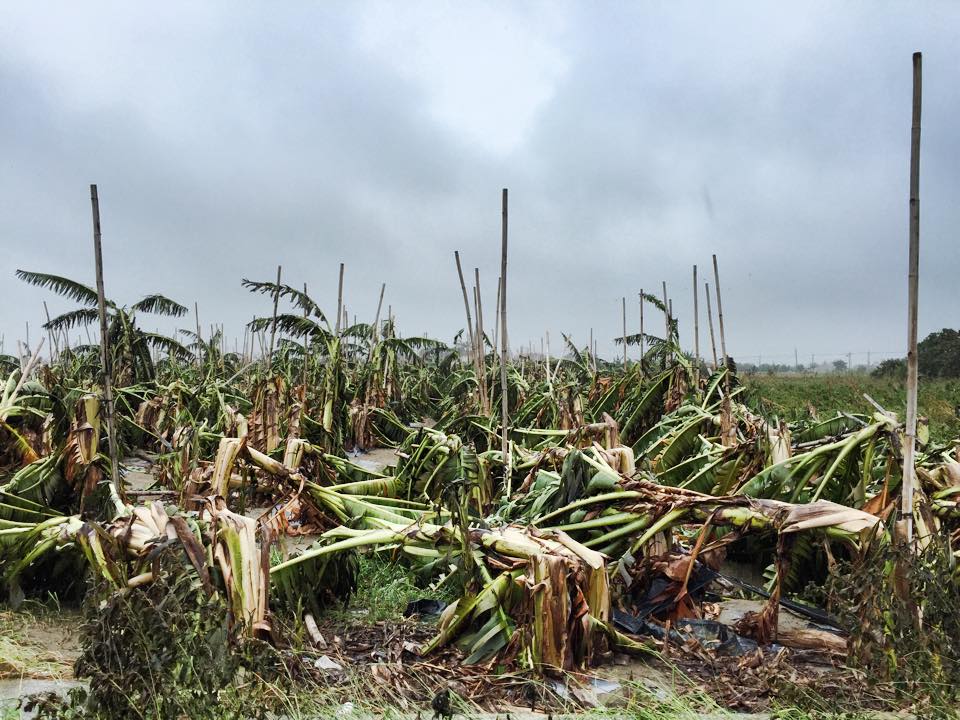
<point x="636" y="139"/>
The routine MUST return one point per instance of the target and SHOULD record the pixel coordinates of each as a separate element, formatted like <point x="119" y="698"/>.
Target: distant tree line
<point x="938" y="355"/>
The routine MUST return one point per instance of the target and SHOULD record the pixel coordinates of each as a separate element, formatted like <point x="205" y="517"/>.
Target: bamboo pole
<point x="339" y="299"/>
<point x="53" y="346"/>
<point x="913" y="282"/>
<point x="273" y="325"/>
<point x="713" y="342"/>
<point x="25" y="369"/>
<point x="376" y="318"/>
<point x="666" y="313"/>
<point x="196" y="315"/>
<point x="466" y="307"/>
<point x="496" y="324"/>
<point x="696" y="319"/>
<point x="641" y="331"/>
<point x="105" y="359"/>
<point x="505" y="395"/>
<point x="624" y="304"/>
<point x="591" y="356"/>
<point x="723" y="336"/>
<point x="306" y="342"/>
<point x="481" y="348"/>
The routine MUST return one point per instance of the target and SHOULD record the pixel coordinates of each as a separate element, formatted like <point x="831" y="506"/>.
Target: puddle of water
<point x="11" y="689"/>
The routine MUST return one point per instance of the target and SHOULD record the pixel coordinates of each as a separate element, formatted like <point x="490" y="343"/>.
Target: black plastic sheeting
<point x="712" y="635"/>
<point x="424" y="607"/>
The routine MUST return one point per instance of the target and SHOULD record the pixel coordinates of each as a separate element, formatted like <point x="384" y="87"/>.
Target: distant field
<point x="792" y="397"/>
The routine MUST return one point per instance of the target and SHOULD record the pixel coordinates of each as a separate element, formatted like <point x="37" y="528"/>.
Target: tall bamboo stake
<point x="505" y="397"/>
<point x="666" y="313"/>
<point x="641" y="331"/>
<point x="196" y="315"/>
<point x="273" y="326"/>
<point x="339" y="299"/>
<point x="376" y="318"/>
<point x="696" y="319"/>
<point x="54" y="345"/>
<point x="496" y="323"/>
<point x="713" y="343"/>
<point x="913" y="281"/>
<point x="306" y="342"/>
<point x="481" y="348"/>
<point x="723" y="337"/>
<point x="466" y="307"/>
<point x="591" y="355"/>
<point x="105" y="359"/>
<point x="624" y="303"/>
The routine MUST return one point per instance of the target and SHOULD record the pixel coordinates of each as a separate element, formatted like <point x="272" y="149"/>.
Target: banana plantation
<point x="559" y="517"/>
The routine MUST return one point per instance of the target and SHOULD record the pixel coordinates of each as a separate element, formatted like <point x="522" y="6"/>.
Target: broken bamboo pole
<point x="624" y="304"/>
<point x="696" y="320"/>
<point x="306" y="341"/>
<point x="913" y="282"/>
<point x="641" y="332"/>
<point x="466" y="306"/>
<point x="339" y="299"/>
<point x="196" y="315"/>
<point x="713" y="342"/>
<point x="273" y="325"/>
<point x="105" y="360"/>
<point x="481" y="347"/>
<point x="53" y="346"/>
<point x="723" y="336"/>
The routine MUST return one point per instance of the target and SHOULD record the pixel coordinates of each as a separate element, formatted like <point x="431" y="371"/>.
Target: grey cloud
<point x="226" y="141"/>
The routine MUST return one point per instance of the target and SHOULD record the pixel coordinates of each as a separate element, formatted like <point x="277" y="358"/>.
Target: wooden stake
<point x="913" y="282"/>
<point x="54" y="345"/>
<point x="696" y="319"/>
<point x="666" y="313"/>
<point x="624" y="303"/>
<point x="376" y="319"/>
<point x="496" y="324"/>
<point x="591" y="355"/>
<point x="105" y="358"/>
<point x="306" y="341"/>
<point x="339" y="299"/>
<point x="505" y="395"/>
<point x="641" y="331"/>
<point x="723" y="337"/>
<point x="713" y="343"/>
<point x="466" y="307"/>
<point x="481" y="348"/>
<point x="196" y="315"/>
<point x="273" y="326"/>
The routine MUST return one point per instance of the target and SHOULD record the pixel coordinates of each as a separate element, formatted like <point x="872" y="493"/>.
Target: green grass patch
<point x="384" y="588"/>
<point x="795" y="397"/>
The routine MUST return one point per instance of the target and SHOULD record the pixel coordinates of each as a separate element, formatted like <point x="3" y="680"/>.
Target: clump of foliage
<point x="901" y="608"/>
<point x="164" y="650"/>
<point x="938" y="356"/>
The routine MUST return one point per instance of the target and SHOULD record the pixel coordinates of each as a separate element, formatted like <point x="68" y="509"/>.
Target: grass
<point x="793" y="397"/>
<point x="384" y="589"/>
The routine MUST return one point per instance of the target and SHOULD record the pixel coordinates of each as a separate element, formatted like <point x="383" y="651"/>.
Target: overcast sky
<point x="636" y="139"/>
